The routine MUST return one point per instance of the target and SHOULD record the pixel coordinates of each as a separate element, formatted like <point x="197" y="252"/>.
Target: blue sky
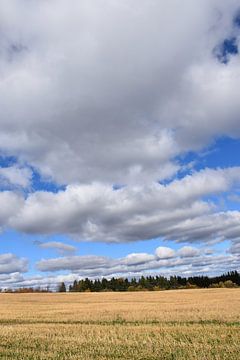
<point x="119" y="140"/>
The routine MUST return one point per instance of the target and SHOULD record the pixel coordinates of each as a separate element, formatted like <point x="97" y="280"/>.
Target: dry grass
<point x="186" y="324"/>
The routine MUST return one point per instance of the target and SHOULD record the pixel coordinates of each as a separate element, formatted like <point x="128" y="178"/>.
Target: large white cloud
<point x="112" y="91"/>
<point x="98" y="213"/>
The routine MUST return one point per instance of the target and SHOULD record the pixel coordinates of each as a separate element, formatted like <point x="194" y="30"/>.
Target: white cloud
<point x="138" y="258"/>
<point x="75" y="263"/>
<point x="188" y="251"/>
<point x="15" y="176"/>
<point x="62" y="248"/>
<point x="235" y="247"/>
<point x="98" y="213"/>
<point x="94" y="93"/>
<point x="132" y="265"/>
<point x="166" y="260"/>
<point x="10" y="205"/>
<point x="165" y="252"/>
<point x="10" y="263"/>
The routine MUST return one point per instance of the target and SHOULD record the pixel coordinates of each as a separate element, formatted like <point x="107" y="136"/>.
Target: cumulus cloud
<point x="10" y="263"/>
<point x="92" y="92"/>
<point x="235" y="247"/>
<point x="165" y="260"/>
<point x="10" y="205"/>
<point x="58" y="246"/>
<point x="15" y="176"/>
<point x="163" y="252"/>
<point x="138" y="258"/>
<point x="75" y="263"/>
<point x="97" y="212"/>
<point x="188" y="251"/>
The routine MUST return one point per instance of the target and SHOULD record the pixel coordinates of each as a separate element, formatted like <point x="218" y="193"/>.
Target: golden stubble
<point x="184" y="324"/>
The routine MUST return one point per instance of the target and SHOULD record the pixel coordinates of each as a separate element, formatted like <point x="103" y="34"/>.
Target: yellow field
<point x="184" y="324"/>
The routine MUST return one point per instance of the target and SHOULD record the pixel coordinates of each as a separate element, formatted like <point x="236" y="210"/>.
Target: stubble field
<point x="184" y="324"/>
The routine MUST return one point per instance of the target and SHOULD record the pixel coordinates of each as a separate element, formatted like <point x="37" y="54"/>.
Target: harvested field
<point x="184" y="324"/>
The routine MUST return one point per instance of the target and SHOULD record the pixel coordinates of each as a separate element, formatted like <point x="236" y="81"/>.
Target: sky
<point x="119" y="139"/>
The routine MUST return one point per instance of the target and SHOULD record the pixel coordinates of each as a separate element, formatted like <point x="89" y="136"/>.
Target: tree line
<point x="152" y="283"/>
<point x="22" y="290"/>
<point x="148" y="283"/>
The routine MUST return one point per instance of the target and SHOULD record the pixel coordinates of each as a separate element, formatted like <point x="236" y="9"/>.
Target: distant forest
<point x="153" y="283"/>
<point x="148" y="283"/>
